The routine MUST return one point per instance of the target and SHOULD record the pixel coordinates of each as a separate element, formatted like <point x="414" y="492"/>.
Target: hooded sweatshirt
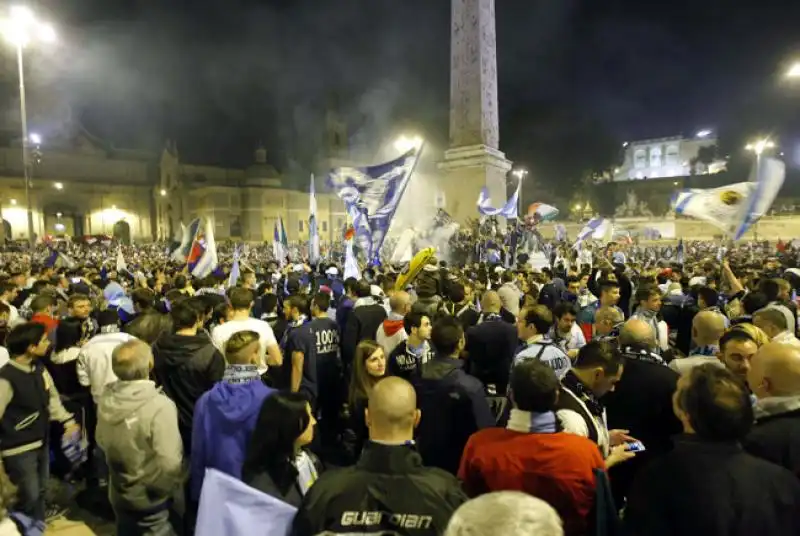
<point x="137" y="428"/>
<point x="391" y="332"/>
<point x="186" y="366"/>
<point x="224" y="420"/>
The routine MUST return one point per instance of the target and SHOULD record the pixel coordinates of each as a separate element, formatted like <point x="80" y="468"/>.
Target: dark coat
<point x="389" y="483"/>
<point x="186" y="367"/>
<point x="454" y="406"/>
<point x="362" y="323"/>
<point x="776" y="437"/>
<point x="491" y="346"/>
<point x="642" y="403"/>
<point x="713" y="489"/>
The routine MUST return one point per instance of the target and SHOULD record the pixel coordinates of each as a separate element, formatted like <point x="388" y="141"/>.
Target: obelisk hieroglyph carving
<point x="473" y="159"/>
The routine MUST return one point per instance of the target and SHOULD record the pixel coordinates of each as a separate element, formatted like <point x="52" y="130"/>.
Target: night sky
<point x="577" y="77"/>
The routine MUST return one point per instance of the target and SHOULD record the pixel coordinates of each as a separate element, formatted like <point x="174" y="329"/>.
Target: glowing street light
<point x="794" y="70"/>
<point x="14" y="202"/>
<point x="404" y="144"/>
<point x="163" y="192"/>
<point x="35" y="138"/>
<point x="759" y="146"/>
<point x="577" y="207"/>
<point x="703" y="133"/>
<point x="58" y="186"/>
<point x="21" y="28"/>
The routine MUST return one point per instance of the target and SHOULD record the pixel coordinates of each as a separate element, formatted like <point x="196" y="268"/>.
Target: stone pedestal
<point x="474" y="159"/>
<point x="466" y="171"/>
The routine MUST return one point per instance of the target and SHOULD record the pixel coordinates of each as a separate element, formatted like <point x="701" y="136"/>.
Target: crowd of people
<point x="629" y="394"/>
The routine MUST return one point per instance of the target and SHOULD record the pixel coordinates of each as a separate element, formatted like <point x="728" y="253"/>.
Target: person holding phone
<point x="595" y="372"/>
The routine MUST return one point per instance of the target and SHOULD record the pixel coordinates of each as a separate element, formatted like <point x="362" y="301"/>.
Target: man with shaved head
<point x="774" y="378"/>
<point x="491" y="346"/>
<point x="707" y="329"/>
<point x="641" y="402"/>
<point x="391" y="332"/>
<point x="388" y="490"/>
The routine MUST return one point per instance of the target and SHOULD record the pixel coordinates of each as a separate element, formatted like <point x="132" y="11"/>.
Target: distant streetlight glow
<point x="624" y="143"/>
<point x="21" y="28"/>
<point x="35" y="139"/>
<point x="759" y="146"/>
<point x="577" y="207"/>
<point x="58" y="214"/>
<point x="113" y="207"/>
<point x="704" y="133"/>
<point x="794" y="70"/>
<point x="675" y="183"/>
<point x="163" y="192"/>
<point x="520" y="173"/>
<point x="14" y="202"/>
<point x="58" y="186"/>
<point x="405" y="143"/>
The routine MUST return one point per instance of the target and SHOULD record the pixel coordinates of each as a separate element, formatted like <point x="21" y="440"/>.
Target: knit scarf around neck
<point x="532" y="423"/>
<point x="237" y="374"/>
<point x="584" y="394"/>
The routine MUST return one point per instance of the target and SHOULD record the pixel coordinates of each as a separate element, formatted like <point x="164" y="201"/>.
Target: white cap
<point x="376" y="291"/>
<point x="332" y="271"/>
<point x="697" y="280"/>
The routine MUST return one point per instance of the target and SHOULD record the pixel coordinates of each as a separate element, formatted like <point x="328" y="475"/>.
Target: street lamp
<point x="520" y="174"/>
<point x="794" y="70"/>
<point x="163" y="193"/>
<point x="20" y="29"/>
<point x="704" y="133"/>
<point x="759" y="146"/>
<point x="58" y="186"/>
<point x="403" y="144"/>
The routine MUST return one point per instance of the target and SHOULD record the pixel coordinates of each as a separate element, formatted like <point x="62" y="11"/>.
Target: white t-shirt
<point x="4" y="357"/>
<point x="266" y="338"/>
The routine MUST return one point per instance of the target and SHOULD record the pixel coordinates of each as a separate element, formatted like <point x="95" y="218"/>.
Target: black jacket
<point x="713" y="489"/>
<point x="362" y="323"/>
<point x="186" y="367"/>
<point x="491" y="346"/>
<point x="387" y="490"/>
<point x="776" y="437"/>
<point x="289" y="493"/>
<point x="642" y="403"/>
<point x="454" y="407"/>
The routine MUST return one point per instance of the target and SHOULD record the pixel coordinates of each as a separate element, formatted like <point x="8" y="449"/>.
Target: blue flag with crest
<point x="371" y="196"/>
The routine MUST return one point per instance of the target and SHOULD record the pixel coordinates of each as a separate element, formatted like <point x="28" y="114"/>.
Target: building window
<point x="324" y="227"/>
<point x="300" y="225"/>
<point x="672" y="155"/>
<point x="640" y="159"/>
<point x="655" y="157"/>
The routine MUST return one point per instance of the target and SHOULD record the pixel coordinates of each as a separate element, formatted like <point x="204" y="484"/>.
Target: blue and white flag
<point x="371" y="196"/>
<point x="350" y="262"/>
<point x="208" y="260"/>
<point x="122" y="266"/>
<point x="59" y="260"/>
<point x="280" y="244"/>
<point x="680" y="255"/>
<point x="233" y="278"/>
<point x="596" y="227"/>
<point x="769" y="176"/>
<point x="509" y="210"/>
<point x="313" y="232"/>
<point x="736" y="207"/>
<point x="188" y="234"/>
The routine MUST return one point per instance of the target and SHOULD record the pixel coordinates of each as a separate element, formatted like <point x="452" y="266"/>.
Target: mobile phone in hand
<point x="634" y="446"/>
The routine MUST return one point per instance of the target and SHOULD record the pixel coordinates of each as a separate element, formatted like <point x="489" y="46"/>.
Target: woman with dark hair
<point x="276" y="462"/>
<point x="63" y="361"/>
<point x="369" y="366"/>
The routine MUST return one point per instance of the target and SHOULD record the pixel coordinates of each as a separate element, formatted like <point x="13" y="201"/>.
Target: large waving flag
<point x="188" y="235"/>
<point x="280" y="244"/>
<point x="736" y="207"/>
<point x="59" y="260"/>
<point x="509" y="210"/>
<point x="208" y="261"/>
<point x="542" y="211"/>
<point x="372" y="195"/>
<point x="596" y="227"/>
<point x="313" y="233"/>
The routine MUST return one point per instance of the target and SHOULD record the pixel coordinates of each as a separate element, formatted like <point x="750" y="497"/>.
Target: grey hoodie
<point x="137" y="428"/>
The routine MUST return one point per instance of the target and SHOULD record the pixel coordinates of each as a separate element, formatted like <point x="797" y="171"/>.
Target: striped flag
<point x="234" y="277"/>
<point x="208" y="261"/>
<point x="188" y="235"/>
<point x="595" y="226"/>
<point x="280" y="244"/>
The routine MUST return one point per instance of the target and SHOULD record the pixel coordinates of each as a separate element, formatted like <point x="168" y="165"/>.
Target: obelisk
<point x="473" y="159"/>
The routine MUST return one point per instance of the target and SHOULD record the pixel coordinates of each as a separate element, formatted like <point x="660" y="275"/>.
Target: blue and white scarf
<point x="237" y="374"/>
<point x="532" y="423"/>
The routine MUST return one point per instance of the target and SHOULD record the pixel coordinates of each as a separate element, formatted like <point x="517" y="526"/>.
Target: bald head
<point x="392" y="413"/>
<point x="775" y="370"/>
<point x="131" y="361"/>
<point x="400" y="302"/>
<point x="637" y="332"/>
<point x="707" y="328"/>
<point x="491" y="303"/>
